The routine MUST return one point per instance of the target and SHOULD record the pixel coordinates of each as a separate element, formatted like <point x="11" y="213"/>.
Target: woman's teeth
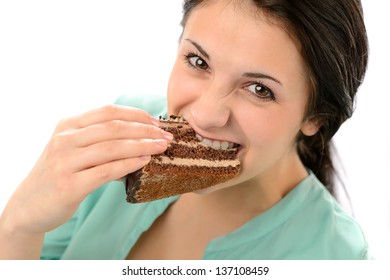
<point x="215" y="143"/>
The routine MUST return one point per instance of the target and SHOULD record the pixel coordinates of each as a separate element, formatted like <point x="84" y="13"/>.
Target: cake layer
<point x="182" y="132"/>
<point x="199" y="150"/>
<point x="193" y="169"/>
<point x="162" y="160"/>
<point x="161" y="181"/>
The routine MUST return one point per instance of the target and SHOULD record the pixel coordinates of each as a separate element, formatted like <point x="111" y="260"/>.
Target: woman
<point x="278" y="78"/>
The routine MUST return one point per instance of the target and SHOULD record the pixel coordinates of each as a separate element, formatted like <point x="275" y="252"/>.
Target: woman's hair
<point x="332" y="39"/>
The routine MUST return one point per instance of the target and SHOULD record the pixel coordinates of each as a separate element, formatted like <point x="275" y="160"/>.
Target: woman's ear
<point x="310" y="127"/>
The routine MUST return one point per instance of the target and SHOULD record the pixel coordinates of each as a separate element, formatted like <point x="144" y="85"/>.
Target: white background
<point x="61" y="58"/>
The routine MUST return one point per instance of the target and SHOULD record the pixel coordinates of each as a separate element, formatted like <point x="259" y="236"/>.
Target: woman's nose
<point x="211" y="108"/>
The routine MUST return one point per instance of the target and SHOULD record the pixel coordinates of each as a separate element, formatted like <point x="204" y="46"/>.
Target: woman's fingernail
<point x="155" y="122"/>
<point x="161" y="142"/>
<point x="145" y="158"/>
<point x="167" y="135"/>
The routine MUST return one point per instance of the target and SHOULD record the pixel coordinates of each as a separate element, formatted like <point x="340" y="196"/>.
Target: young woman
<point x="276" y="77"/>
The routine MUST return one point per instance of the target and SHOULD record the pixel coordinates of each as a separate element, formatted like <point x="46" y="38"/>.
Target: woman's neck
<point x="256" y="195"/>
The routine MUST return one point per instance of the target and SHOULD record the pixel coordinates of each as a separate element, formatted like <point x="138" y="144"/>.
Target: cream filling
<point x="199" y="162"/>
<point x="196" y="144"/>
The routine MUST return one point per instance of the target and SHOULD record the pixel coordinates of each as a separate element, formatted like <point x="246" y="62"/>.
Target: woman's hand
<point x="83" y="153"/>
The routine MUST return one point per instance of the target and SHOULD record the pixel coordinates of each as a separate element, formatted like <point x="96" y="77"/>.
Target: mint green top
<point x="306" y="224"/>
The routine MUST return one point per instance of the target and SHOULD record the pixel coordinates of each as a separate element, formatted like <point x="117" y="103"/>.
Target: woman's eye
<point x="197" y="62"/>
<point x="261" y="91"/>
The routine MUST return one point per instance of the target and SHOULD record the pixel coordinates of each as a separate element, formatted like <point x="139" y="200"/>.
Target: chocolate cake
<point x="187" y="165"/>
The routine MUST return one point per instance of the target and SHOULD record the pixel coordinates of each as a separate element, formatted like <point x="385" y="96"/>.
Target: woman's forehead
<point x="227" y="30"/>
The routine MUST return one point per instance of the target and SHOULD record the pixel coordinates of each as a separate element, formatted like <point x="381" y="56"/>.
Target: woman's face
<point x="240" y="78"/>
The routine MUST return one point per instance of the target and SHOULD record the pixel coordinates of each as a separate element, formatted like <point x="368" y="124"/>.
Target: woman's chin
<point x="215" y="188"/>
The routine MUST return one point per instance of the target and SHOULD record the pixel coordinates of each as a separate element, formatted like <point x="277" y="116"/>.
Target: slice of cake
<point x="187" y="165"/>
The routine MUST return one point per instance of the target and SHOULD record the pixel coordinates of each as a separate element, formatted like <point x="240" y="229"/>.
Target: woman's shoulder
<point x="306" y="224"/>
<point x="336" y="233"/>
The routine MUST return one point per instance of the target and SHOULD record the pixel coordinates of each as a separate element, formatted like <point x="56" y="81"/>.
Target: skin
<point x="220" y="101"/>
<point x="84" y="152"/>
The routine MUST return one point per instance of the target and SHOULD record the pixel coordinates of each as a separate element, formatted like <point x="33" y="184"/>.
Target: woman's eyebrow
<point x="200" y="49"/>
<point x="261" y="76"/>
<point x="247" y="74"/>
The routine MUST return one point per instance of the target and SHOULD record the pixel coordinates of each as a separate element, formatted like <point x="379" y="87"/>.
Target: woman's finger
<point x="108" y="151"/>
<point x="105" y="114"/>
<point x="107" y="172"/>
<point x="115" y="130"/>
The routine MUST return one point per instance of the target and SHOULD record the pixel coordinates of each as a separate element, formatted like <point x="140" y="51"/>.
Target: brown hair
<point x="333" y="42"/>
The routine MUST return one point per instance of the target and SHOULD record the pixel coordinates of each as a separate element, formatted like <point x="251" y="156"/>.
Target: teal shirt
<point x="306" y="224"/>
